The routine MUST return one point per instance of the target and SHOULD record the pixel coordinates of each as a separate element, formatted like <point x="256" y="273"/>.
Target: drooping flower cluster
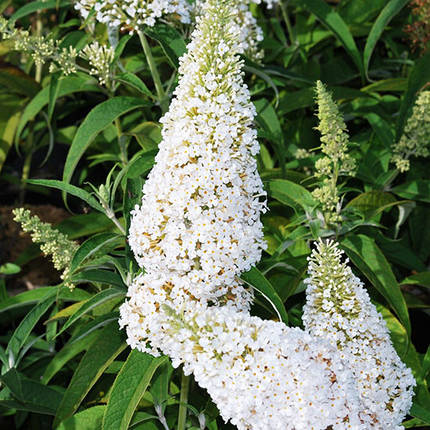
<point x="415" y="141"/>
<point x="261" y="374"/>
<point x="132" y="14"/>
<point x="51" y="241"/>
<point x="339" y="310"/>
<point x="199" y="216"/>
<point x="337" y="161"/>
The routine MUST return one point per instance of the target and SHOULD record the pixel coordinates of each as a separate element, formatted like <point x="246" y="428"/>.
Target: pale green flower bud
<point x="337" y="161"/>
<point x="415" y="141"/>
<point x="51" y="241"/>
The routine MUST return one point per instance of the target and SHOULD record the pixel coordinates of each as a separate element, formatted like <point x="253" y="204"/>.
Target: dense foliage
<point x="343" y="122"/>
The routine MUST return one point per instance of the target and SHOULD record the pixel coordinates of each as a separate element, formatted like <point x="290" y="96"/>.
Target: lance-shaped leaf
<point x="128" y="388"/>
<point x="258" y="281"/>
<point x="366" y="255"/>
<point x="99" y="356"/>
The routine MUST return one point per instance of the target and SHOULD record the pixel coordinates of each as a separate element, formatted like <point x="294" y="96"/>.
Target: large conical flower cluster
<point x="199" y="217"/>
<point x="339" y="310"/>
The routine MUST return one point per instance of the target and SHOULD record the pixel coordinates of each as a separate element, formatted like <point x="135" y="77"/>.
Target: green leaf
<point x="170" y="40"/>
<point x="98" y="275"/>
<point x="26" y="326"/>
<point x="420" y="412"/>
<point x="97" y="300"/>
<point x="160" y="384"/>
<point x="32" y="395"/>
<point x="407" y="353"/>
<point x="54" y="87"/>
<point x="135" y="82"/>
<point x="32" y="297"/>
<point x="415" y="190"/>
<point x="70" y="189"/>
<point x="88" y="419"/>
<point x="381" y="128"/>
<point x="121" y="45"/>
<point x="290" y="194"/>
<point x="257" y="280"/>
<point x="132" y="197"/>
<point x="366" y="255"/>
<point x="392" y="8"/>
<point x="99" y="356"/>
<point x="9" y="269"/>
<point x="418" y="78"/>
<point x="128" y="388"/>
<point x="65" y="354"/>
<point x="15" y="80"/>
<point x="10" y="115"/>
<point x="294" y="100"/>
<point x="390" y="84"/>
<point x="38" y="5"/>
<point x="337" y="25"/>
<point x="372" y="202"/>
<point x="91" y="246"/>
<point x="97" y="120"/>
<point x="422" y="279"/>
<point x="69" y="85"/>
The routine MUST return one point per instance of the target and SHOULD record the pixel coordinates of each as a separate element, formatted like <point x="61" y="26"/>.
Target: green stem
<point x="25" y="175"/>
<point x="287" y="21"/>
<point x="183" y="400"/>
<point x="154" y="72"/>
<point x="38" y="75"/>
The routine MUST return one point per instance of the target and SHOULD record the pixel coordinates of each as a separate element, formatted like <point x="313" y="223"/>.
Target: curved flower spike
<point x="339" y="310"/>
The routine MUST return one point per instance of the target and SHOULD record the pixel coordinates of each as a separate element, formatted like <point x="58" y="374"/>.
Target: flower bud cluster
<point x="41" y="49"/>
<point x="415" y="141"/>
<point x="51" y="241"/>
<point x="100" y="58"/>
<point x="45" y="50"/>
<point x="339" y="310"/>
<point x="337" y="161"/>
<point x="250" y="34"/>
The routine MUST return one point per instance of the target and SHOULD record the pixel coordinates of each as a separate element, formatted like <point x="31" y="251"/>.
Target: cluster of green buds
<point x="45" y="50"/>
<point x="336" y="161"/>
<point x="52" y="242"/>
<point x="41" y="49"/>
<point x="415" y="141"/>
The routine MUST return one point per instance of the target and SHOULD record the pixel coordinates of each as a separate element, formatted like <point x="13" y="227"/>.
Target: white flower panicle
<point x="261" y="374"/>
<point x="339" y="310"/>
<point x="200" y="213"/>
<point x="132" y="14"/>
